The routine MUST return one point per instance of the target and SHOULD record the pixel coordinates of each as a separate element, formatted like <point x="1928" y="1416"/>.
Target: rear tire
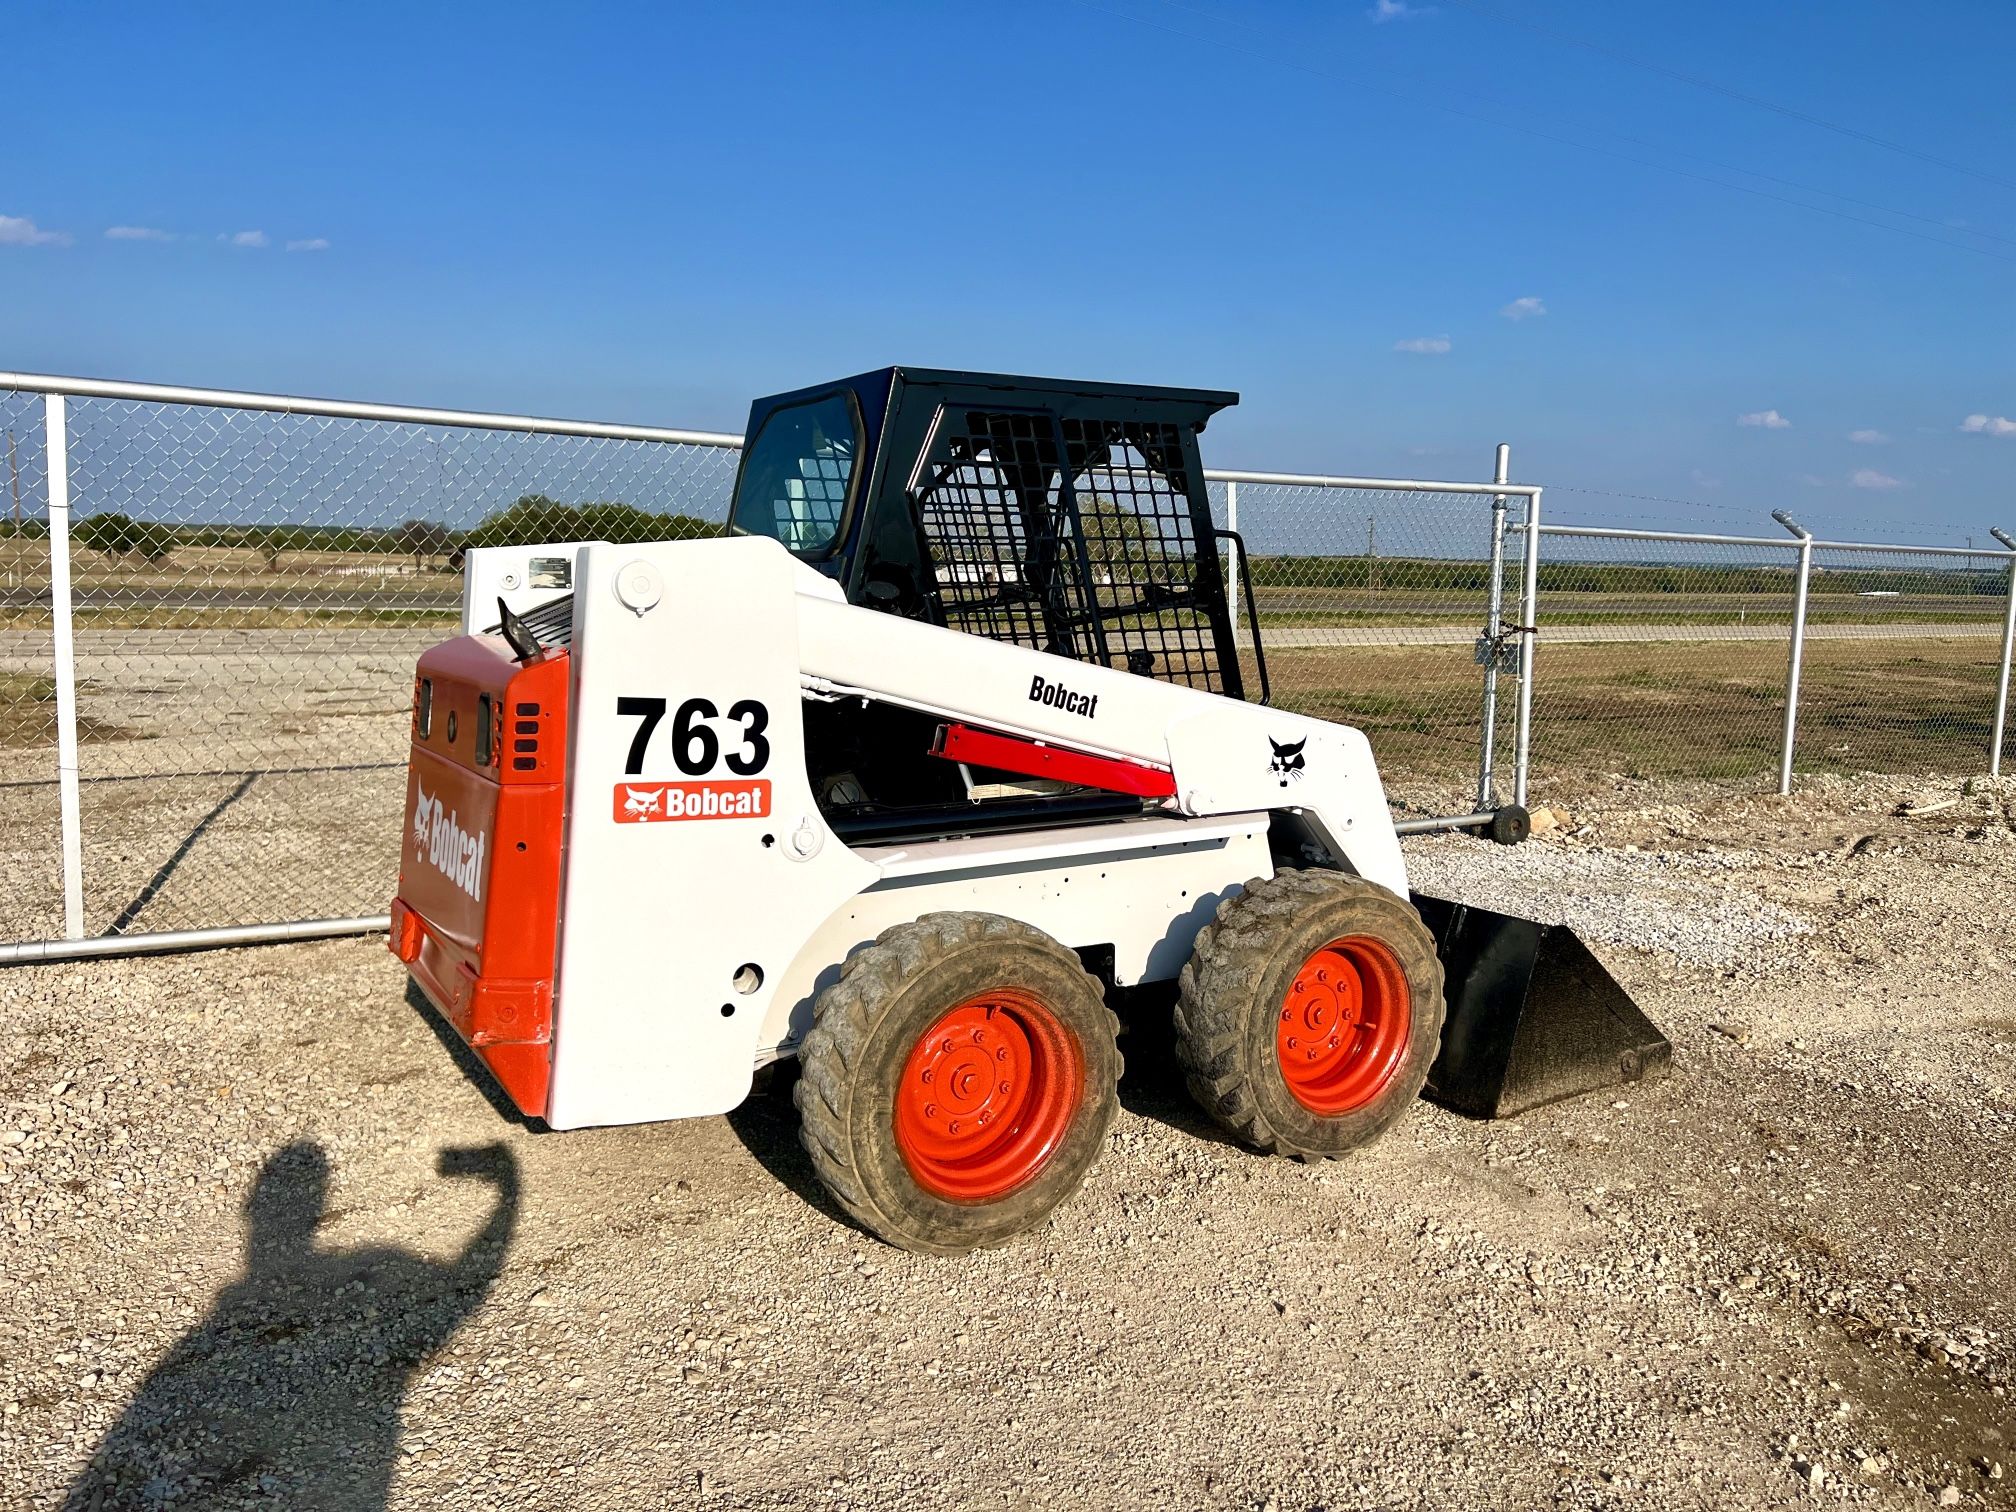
<point x="958" y="1082"/>
<point x="1309" y="1013"/>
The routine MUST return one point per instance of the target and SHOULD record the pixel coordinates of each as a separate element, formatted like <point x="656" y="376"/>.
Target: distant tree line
<point x="1431" y="574"/>
<point x="533" y="518"/>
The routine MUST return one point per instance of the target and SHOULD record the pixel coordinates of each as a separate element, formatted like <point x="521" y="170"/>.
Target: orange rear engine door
<point x="476" y="919"/>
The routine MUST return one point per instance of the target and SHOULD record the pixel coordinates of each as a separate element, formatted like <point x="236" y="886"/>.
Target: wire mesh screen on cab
<point x="1073" y="536"/>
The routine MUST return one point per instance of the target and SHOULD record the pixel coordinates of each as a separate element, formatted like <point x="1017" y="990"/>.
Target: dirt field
<point x="1781" y="1276"/>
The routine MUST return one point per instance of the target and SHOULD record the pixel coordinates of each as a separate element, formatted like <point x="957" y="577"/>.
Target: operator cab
<point x="1066" y="517"/>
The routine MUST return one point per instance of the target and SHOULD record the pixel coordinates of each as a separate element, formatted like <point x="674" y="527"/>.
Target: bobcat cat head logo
<point x="1288" y="762"/>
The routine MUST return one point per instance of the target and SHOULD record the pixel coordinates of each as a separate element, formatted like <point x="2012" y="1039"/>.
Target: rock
<point x="1949" y="1496"/>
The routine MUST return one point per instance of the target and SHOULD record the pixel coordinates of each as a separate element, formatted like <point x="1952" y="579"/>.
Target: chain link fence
<point x="31" y="835"/>
<point x="1903" y="659"/>
<point x="249" y="590"/>
<point x="250" y="579"/>
<point x="1663" y="655"/>
<point x="1673" y="655"/>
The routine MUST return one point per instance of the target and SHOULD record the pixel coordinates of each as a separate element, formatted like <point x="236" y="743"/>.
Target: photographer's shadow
<point x="292" y="1386"/>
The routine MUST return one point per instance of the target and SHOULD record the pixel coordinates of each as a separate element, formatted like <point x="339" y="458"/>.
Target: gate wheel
<point x="958" y="1081"/>
<point x="1310" y="1012"/>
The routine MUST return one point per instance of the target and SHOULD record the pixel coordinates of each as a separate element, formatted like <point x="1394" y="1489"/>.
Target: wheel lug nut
<point x="1294" y="1043"/>
<point x="1286" y="1015"/>
<point x="928" y="1077"/>
<point x="955" y="1126"/>
<point x="930" y="1110"/>
<point x="979" y="1035"/>
<point x="1323" y="976"/>
<point x="1001" y="1054"/>
<point x="946" y="1046"/>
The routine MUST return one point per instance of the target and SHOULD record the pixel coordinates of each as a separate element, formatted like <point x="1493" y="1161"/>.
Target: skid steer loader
<point x="947" y="739"/>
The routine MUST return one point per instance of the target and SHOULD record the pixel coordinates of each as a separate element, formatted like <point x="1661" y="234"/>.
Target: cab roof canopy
<point x="884" y="389"/>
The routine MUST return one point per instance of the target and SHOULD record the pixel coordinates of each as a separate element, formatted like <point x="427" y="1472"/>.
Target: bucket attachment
<point x="1533" y="1016"/>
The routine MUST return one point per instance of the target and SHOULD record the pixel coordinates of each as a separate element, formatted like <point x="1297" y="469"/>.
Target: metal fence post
<point x="1494" y="615"/>
<point x="1529" y="632"/>
<point x="2008" y="644"/>
<point x="1798" y="652"/>
<point x="1232" y="524"/>
<point x="56" y="422"/>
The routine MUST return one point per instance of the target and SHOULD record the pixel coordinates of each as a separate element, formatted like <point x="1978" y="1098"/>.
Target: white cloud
<point x="1767" y="419"/>
<point x="1398" y="10"/>
<point x="244" y="238"/>
<point x="1704" y="480"/>
<point x="1427" y="346"/>
<point x="137" y="233"/>
<point x="1868" y="477"/>
<point x="1983" y="425"/>
<point x="20" y="231"/>
<point x="1522" y="309"/>
<point x="1867" y="437"/>
<point x="309" y="244"/>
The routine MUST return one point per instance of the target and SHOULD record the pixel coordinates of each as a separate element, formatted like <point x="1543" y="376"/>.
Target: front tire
<point x="958" y="1082"/>
<point x="1309" y="1013"/>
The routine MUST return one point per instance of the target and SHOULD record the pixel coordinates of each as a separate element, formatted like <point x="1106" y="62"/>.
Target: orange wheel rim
<point x="987" y="1095"/>
<point x="1344" y="1025"/>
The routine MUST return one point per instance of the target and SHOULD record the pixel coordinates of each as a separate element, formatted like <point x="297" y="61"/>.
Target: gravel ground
<point x="244" y="1265"/>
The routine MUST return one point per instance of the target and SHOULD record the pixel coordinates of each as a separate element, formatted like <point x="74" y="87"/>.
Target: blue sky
<point x="654" y="213"/>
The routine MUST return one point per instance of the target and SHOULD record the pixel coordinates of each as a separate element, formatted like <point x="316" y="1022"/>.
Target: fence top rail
<point x="344" y="409"/>
<point x="1615" y="533"/>
<point x="1990" y="553"/>
<point x="1387" y="485"/>
<point x="1685" y="538"/>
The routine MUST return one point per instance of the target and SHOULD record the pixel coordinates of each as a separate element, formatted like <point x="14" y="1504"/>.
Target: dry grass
<point x="1707" y="709"/>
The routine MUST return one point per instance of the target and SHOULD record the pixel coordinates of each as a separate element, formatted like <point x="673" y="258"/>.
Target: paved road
<point x="284" y="600"/>
<point x="138" y="651"/>
<point x="1573" y="635"/>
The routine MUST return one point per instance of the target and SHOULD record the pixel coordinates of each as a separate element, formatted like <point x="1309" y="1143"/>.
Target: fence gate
<point x="234" y="588"/>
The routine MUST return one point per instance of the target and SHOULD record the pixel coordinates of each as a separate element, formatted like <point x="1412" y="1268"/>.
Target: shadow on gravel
<point x="767" y="1124"/>
<point x="1151" y="1086"/>
<point x="469" y="1063"/>
<point x="167" y="869"/>
<point x="291" y="1387"/>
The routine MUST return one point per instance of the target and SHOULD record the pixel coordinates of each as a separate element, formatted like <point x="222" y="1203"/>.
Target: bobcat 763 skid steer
<point x="947" y="740"/>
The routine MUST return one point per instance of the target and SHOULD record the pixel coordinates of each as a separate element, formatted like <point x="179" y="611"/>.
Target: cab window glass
<point x="796" y="477"/>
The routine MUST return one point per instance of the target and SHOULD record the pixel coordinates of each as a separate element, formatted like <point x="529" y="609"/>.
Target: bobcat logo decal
<point x="1287" y="763"/>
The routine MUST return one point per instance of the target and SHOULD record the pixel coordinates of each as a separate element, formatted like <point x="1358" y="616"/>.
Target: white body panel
<point x="656" y="918"/>
<point x="1144" y="887"/>
<point x="524" y="577"/>
<point x="1220" y="750"/>
<point x="661" y="913"/>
